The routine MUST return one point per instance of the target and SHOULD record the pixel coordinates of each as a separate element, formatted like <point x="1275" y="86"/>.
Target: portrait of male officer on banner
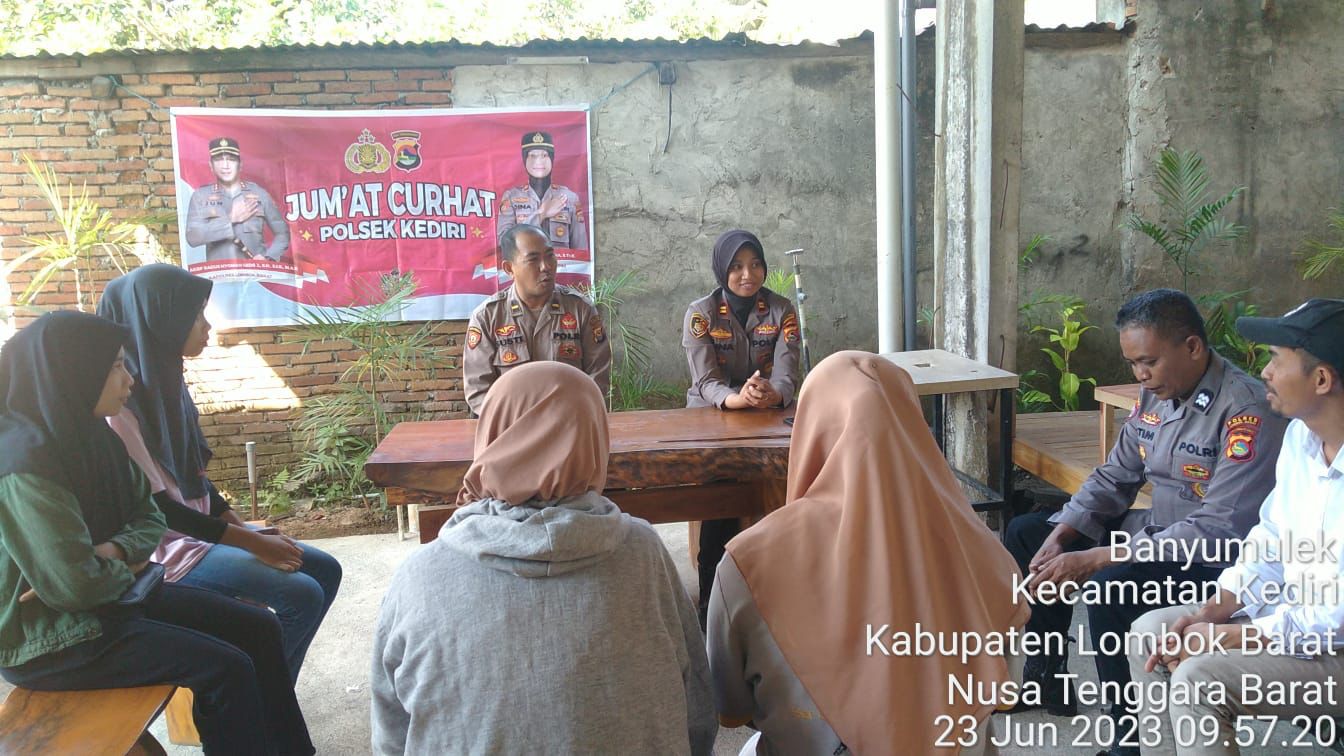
<point x="551" y="207"/>
<point x="229" y="216"/>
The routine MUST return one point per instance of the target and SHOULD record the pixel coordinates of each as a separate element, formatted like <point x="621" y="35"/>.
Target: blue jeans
<point x="300" y="599"/>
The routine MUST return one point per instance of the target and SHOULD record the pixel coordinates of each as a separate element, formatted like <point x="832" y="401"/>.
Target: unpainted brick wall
<point x="250" y="384"/>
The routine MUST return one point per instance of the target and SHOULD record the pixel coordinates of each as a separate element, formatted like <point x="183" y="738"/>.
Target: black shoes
<point x="1057" y="694"/>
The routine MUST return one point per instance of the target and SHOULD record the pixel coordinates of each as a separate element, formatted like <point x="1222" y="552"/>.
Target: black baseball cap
<point x="1316" y="325"/>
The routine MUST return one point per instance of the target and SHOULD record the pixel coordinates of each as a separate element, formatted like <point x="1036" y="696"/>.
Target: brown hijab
<point x="876" y="531"/>
<point x="542" y="436"/>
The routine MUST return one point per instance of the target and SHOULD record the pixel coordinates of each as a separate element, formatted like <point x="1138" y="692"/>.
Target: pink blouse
<point x="178" y="553"/>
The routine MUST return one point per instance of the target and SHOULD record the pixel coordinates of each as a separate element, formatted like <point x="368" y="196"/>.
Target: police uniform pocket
<point x="1192" y="473"/>
<point x="569" y="351"/>
<point x="510" y="348"/>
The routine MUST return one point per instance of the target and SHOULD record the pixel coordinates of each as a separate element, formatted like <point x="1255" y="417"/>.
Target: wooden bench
<point x="109" y="722"/>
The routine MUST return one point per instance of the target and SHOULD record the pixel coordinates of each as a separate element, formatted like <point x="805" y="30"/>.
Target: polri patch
<point x="509" y="357"/>
<point x="599" y="335"/>
<point x="473" y="337"/>
<point x="1151" y="418"/>
<point x="569" y="322"/>
<point x="767" y="329"/>
<point x="505" y="331"/>
<point x="721" y="334"/>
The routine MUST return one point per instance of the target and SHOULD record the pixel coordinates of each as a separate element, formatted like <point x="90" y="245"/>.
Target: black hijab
<point x="726" y="248"/>
<point x="159" y="304"/>
<point x="51" y="376"/>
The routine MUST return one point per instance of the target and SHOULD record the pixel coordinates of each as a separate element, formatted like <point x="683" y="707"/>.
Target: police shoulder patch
<point x="788" y="328"/>
<point x="1240" y="446"/>
<point x="599" y="335"/>
<point x="699" y="325"/>
<point x="473" y="337"/>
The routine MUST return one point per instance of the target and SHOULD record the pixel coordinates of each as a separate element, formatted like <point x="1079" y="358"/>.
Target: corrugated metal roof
<point x="736" y="43"/>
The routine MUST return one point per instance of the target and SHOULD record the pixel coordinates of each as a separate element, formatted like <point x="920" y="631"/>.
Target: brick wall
<point x="251" y="383"/>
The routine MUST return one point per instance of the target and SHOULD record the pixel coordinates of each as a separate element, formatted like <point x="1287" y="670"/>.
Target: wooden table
<point x="936" y="373"/>
<point x="665" y="466"/>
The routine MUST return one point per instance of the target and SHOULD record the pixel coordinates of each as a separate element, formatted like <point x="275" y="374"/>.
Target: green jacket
<point x="45" y="545"/>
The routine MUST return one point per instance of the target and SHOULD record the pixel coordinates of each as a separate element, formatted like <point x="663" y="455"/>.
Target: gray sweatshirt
<point x="563" y="629"/>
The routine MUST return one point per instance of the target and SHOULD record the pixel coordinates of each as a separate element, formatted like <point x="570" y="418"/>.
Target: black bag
<point x="146" y="585"/>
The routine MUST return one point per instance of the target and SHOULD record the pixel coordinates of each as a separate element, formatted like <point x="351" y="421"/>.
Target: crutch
<point x="801" y="296"/>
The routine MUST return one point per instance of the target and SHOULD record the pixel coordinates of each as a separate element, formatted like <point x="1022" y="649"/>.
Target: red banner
<point x="293" y="209"/>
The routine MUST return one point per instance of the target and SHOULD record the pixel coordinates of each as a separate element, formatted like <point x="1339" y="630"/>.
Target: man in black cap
<point x="551" y="207"/>
<point x="1278" y="618"/>
<point x="229" y="216"/>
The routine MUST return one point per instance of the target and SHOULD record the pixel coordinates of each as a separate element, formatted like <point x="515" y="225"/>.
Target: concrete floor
<point x="333" y="687"/>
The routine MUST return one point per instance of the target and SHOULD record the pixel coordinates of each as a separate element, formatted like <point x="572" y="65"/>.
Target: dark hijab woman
<point x="76" y="524"/>
<point x="207" y="544"/>
<point x="742" y="345"/>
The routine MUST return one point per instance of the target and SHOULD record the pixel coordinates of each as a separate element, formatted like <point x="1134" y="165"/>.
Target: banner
<point x="287" y="210"/>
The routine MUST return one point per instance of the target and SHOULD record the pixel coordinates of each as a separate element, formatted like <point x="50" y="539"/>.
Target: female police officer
<point x="741" y="343"/>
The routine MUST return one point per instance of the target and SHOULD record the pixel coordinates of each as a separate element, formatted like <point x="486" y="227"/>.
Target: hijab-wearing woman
<point x="566" y="628"/>
<point x="742" y="345"/>
<point x="77" y="522"/>
<point x="876" y="532"/>
<point x="207" y="544"/>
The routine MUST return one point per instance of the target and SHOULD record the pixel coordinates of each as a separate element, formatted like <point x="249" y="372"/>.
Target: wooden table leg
<point x="1107" y="429"/>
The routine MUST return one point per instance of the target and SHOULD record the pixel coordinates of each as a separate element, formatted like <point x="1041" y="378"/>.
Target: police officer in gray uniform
<point x="229" y="217"/>
<point x="532" y="319"/>
<point x="742" y="345"/>
<point x="1203" y="435"/>
<point x="552" y="208"/>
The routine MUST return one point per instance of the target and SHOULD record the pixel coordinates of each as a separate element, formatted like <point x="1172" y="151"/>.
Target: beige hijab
<point x="876" y="530"/>
<point x="542" y="436"/>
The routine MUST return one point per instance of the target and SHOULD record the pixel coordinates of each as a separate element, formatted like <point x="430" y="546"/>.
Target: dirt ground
<point x="335" y="521"/>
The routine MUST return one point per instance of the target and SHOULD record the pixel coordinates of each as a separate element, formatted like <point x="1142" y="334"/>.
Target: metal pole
<point x="908" y="133"/>
<point x="886" y="119"/>
<point x="251" y="447"/>
<point x="801" y="296"/>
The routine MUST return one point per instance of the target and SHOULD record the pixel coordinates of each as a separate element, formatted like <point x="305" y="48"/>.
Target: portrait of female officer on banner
<point x="551" y="207"/>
